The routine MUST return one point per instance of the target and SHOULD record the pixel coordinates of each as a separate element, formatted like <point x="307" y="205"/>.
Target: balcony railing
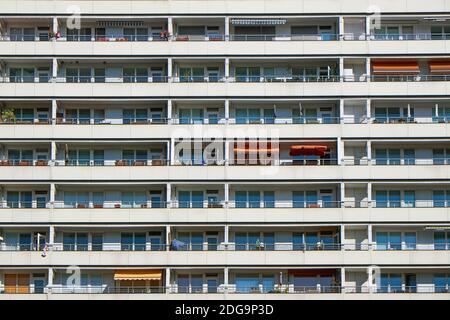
<point x="174" y="204"/>
<point x="227" y="289"/>
<point x="163" y="36"/>
<point x="223" y="79"/>
<point x="231" y="246"/>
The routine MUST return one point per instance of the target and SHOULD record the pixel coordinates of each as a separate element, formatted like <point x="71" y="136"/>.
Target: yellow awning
<point x="138" y="275"/>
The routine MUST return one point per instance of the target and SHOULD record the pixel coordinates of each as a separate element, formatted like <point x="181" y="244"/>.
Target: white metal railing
<point x="220" y="204"/>
<point x="230" y="246"/>
<point x="227" y="289"/>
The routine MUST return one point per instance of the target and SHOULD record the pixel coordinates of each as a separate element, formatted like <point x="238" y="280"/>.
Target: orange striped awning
<point x="395" y="67"/>
<point x="138" y="274"/>
<point x="439" y="66"/>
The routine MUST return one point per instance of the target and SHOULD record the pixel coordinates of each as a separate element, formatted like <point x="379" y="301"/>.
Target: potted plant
<point x="8" y="116"/>
<point x="41" y="162"/>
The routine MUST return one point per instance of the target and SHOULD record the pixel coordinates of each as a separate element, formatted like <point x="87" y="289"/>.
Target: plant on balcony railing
<point x="8" y="116"/>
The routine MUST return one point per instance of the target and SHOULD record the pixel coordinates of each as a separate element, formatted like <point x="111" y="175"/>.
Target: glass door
<point x="254" y="74"/>
<point x="410" y="239"/>
<point x="39" y="285"/>
<point x="41" y="201"/>
<point x="212" y="284"/>
<point x="212" y="241"/>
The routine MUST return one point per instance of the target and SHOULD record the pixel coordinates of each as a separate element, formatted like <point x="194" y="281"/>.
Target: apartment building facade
<point x="224" y="149"/>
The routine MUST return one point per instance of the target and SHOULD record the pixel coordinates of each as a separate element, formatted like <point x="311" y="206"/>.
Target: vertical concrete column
<point x="341" y="69"/>
<point x="226" y="234"/>
<point x="436" y="110"/>
<point x="169" y="112"/>
<point x="167" y="238"/>
<point x="342" y="236"/>
<point x="369" y="195"/>
<point x="341" y="110"/>
<point x="227" y="110"/>
<point x="226" y="194"/>
<point x="369" y="236"/>
<point x="170" y="27"/>
<point x="227" y="28"/>
<point x="51" y="235"/>
<point x="225" y="278"/>
<point x="169" y="70"/>
<point x="342" y="280"/>
<point x="342" y="194"/>
<point x="55" y="26"/>
<point x="340" y="150"/>
<point x="227" y="69"/>
<point x="52" y="195"/>
<point x="369" y="151"/>
<point x="52" y="153"/>
<point x="368" y="110"/>
<point x="341" y="30"/>
<point x="54" y="69"/>
<point x="167" y="278"/>
<point x="368" y="73"/>
<point x="168" y="194"/>
<point x="54" y="111"/>
<point x="50" y="279"/>
<point x="368" y="27"/>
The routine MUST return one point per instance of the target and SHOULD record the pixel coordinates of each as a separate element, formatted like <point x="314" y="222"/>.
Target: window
<point x="192" y="74"/>
<point x="191" y="116"/>
<point x="409" y="156"/>
<point x="136" y="199"/>
<point x="441" y="282"/>
<point x="135" y="34"/>
<point x="22" y="34"/>
<point x="79" y="157"/>
<point x="386" y="115"/>
<point x="390" y="283"/>
<point x="385" y="199"/>
<point x="22" y="75"/>
<point x="97" y="242"/>
<point x="440" y="32"/>
<point x="135" y="116"/>
<point x="247" y="283"/>
<point x="438" y="156"/>
<point x="190" y="199"/>
<point x="73" y="241"/>
<point x="133" y="241"/>
<point x="248" y="74"/>
<point x="441" y="198"/>
<point x="213" y="74"/>
<point x="389" y="240"/>
<point x="298" y="199"/>
<point x="441" y="240"/>
<point x="269" y="199"/>
<point x="410" y="239"/>
<point x="192" y="240"/>
<point x="410" y="198"/>
<point x="248" y="241"/>
<point x="135" y="75"/>
<point x="19" y="199"/>
<point x="76" y="199"/>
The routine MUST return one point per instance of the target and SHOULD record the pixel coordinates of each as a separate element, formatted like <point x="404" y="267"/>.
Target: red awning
<point x="312" y="272"/>
<point x="389" y="67"/>
<point x="308" y="150"/>
<point x="439" y="66"/>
